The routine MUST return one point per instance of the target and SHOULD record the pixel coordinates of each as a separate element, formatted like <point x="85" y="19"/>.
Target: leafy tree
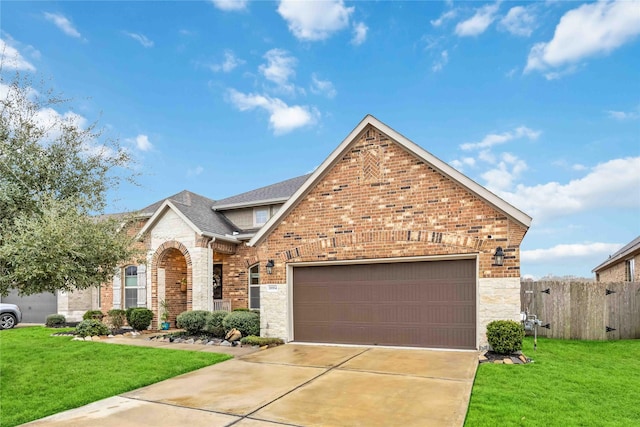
<point x="55" y="173"/>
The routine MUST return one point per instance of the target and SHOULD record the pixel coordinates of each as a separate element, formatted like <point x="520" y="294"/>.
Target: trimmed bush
<point x="260" y="341"/>
<point x="193" y="322"/>
<point x="55" y="321"/>
<point x="241" y="309"/>
<point x="127" y="314"/>
<point x="214" y="323"/>
<point x="140" y="318"/>
<point x="116" y="318"/>
<point x="93" y="314"/>
<point x="246" y="322"/>
<point x="91" y="327"/>
<point x="505" y="336"/>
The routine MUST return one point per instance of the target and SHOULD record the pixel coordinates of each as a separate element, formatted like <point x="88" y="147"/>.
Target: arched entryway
<point x="171" y="280"/>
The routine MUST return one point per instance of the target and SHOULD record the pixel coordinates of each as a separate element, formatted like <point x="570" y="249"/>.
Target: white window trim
<point x="125" y="287"/>
<point x="253" y="286"/>
<point x="255" y="215"/>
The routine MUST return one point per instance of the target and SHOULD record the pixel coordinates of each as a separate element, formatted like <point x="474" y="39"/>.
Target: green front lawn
<point x="571" y="383"/>
<point x="42" y="375"/>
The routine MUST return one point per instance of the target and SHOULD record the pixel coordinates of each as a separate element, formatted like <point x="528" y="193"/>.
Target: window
<point x="629" y="270"/>
<point x="254" y="287"/>
<point x="217" y="281"/>
<point x="131" y="286"/>
<point x="99" y="296"/>
<point x="260" y="216"/>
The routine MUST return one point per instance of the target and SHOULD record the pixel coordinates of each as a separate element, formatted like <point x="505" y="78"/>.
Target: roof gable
<point x="628" y="249"/>
<point x="440" y="166"/>
<point x="194" y="210"/>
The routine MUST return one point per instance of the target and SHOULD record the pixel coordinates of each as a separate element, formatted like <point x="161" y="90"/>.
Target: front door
<point x="217" y="281"/>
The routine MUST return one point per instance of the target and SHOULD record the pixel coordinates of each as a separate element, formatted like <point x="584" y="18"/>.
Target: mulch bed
<point x="508" y="359"/>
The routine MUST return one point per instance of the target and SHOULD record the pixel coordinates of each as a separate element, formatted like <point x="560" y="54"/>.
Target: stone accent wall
<point x="616" y="272"/>
<point x="74" y="304"/>
<point x="499" y="299"/>
<point x="274" y="316"/>
<point x="172" y="228"/>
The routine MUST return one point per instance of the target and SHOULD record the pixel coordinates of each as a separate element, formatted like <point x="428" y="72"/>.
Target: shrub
<point x="193" y="322"/>
<point x="241" y="309"/>
<point x="91" y="327"/>
<point x="214" y="323"/>
<point x="116" y="317"/>
<point x="140" y="318"/>
<point x="246" y="322"/>
<point x="93" y="314"/>
<point x="127" y="314"/>
<point x="55" y="321"/>
<point x="260" y="341"/>
<point x="505" y="336"/>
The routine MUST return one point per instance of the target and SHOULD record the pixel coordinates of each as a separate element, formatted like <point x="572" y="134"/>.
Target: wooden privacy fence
<point x="584" y="310"/>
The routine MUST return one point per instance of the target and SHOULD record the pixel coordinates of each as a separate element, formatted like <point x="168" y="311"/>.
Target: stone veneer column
<point x="499" y="299"/>
<point x="274" y="313"/>
<point x="201" y="281"/>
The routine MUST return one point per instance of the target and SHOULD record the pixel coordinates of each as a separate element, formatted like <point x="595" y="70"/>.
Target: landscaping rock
<point x="498" y="361"/>
<point x="233" y="335"/>
<point x="516" y="360"/>
<point x="87" y="339"/>
<point x="523" y="358"/>
<point x="225" y="343"/>
<point x="482" y="359"/>
<point x="507" y="361"/>
<point x="190" y="341"/>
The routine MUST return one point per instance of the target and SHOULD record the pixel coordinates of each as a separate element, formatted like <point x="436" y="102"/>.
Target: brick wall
<point x="175" y="267"/>
<point x="617" y="272"/>
<point x="379" y="201"/>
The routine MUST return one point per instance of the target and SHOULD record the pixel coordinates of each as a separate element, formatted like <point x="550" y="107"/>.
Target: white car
<point x="10" y="315"/>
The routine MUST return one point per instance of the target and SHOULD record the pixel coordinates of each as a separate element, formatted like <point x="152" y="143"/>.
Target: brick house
<point x="382" y="244"/>
<point x="620" y="267"/>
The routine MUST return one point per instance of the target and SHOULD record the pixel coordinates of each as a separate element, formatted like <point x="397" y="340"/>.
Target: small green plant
<point x="164" y="306"/>
<point x="193" y="322"/>
<point x="91" y="327"/>
<point x="505" y="336"/>
<point x="241" y="309"/>
<point x="247" y="322"/>
<point x="140" y="318"/>
<point x="261" y="341"/>
<point x="116" y="318"/>
<point x="127" y="314"/>
<point x="93" y="314"/>
<point x="214" y="323"/>
<point x="55" y="321"/>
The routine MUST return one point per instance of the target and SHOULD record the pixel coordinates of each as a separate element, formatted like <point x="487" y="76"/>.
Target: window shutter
<point x="117" y="290"/>
<point x="142" y="285"/>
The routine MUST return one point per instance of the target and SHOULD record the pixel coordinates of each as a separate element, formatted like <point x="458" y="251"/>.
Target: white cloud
<point x="591" y="29"/>
<point x="519" y="21"/>
<point x="11" y="59"/>
<point x="63" y="23"/>
<point x="507" y="170"/>
<point x="143" y="143"/>
<point x="140" y="38"/>
<point x="229" y="64"/>
<point x="613" y="184"/>
<point x="460" y="164"/>
<point x="442" y="60"/>
<point x="280" y="67"/>
<point x="624" y="115"/>
<point x="496" y="139"/>
<point x="282" y="117"/>
<point x="315" y="20"/>
<point x="322" y="87"/>
<point x="230" y="5"/>
<point x="479" y="22"/>
<point x="359" y="34"/>
<point x="444" y="17"/>
<point x="564" y="251"/>
<point x="196" y="171"/>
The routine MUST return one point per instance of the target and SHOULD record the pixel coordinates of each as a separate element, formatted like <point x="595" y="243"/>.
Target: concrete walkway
<point x="299" y="385"/>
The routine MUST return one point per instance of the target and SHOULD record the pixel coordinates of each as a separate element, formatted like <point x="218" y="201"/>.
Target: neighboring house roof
<point x="271" y="194"/>
<point x="196" y="211"/>
<point x="410" y="146"/>
<point x="629" y="249"/>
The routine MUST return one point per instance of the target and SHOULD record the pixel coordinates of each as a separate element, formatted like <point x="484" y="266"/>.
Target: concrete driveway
<point x="300" y="385"/>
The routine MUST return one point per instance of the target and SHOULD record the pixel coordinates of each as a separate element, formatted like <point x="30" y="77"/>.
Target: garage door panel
<point x="426" y="304"/>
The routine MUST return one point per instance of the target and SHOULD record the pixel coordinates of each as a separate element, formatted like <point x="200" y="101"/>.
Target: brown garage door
<point x="419" y="304"/>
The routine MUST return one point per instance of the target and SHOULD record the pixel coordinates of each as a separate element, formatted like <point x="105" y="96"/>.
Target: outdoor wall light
<point x="498" y="257"/>
<point x="270" y="265"/>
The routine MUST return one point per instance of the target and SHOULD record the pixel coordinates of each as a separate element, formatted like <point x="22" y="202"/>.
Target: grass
<point x="571" y="383"/>
<point x="42" y="375"/>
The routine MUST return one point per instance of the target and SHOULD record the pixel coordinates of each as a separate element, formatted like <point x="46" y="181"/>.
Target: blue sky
<point x="538" y="101"/>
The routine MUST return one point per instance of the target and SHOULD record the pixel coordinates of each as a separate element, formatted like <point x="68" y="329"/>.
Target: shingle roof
<point x="280" y="191"/>
<point x="198" y="210"/>
<point x="632" y="246"/>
